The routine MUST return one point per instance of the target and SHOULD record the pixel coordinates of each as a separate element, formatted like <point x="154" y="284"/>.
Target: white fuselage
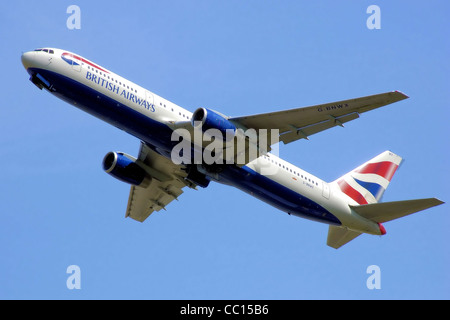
<point x="149" y="117"/>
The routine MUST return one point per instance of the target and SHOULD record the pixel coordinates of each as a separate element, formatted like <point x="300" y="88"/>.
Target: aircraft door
<point x="149" y="101"/>
<point x="325" y="190"/>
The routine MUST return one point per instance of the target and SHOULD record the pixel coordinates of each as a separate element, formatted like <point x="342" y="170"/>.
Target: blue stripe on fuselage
<point x="276" y="194"/>
<point x="158" y="135"/>
<point x="109" y="110"/>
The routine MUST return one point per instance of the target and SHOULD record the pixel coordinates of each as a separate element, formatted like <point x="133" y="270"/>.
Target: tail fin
<point x="367" y="183"/>
<point x="365" y="186"/>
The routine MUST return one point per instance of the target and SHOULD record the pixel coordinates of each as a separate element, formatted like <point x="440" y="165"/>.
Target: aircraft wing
<point x="166" y="185"/>
<point x="300" y="123"/>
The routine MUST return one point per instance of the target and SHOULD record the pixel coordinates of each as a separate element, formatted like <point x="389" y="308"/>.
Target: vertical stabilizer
<point x="367" y="183"/>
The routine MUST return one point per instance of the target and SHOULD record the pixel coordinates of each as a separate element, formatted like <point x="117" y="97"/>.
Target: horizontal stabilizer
<point x="338" y="236"/>
<point x="387" y="211"/>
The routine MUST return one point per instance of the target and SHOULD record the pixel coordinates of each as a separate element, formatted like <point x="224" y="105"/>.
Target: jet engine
<point x="209" y="119"/>
<point x="124" y="168"/>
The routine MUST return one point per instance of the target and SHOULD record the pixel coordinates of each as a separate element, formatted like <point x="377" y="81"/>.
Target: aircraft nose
<point x="27" y="59"/>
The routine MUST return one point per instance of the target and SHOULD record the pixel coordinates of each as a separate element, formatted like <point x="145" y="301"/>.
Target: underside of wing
<point x="300" y="123"/>
<point x="166" y="185"/>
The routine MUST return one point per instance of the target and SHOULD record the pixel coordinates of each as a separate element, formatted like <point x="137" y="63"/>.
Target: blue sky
<point x="58" y="208"/>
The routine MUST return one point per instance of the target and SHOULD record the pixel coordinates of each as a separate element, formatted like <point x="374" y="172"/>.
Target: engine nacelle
<point x="210" y="119"/>
<point x="124" y="168"/>
<point x="197" y="177"/>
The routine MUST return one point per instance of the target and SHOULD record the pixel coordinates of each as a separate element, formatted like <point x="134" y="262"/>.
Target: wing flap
<point x="166" y="185"/>
<point x="142" y="202"/>
<point x="306" y="131"/>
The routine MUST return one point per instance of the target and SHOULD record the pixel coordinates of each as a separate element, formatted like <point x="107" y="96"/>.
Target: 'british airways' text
<point x="120" y="91"/>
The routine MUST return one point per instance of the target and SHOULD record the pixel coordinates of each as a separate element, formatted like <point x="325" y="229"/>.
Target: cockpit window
<point x="46" y="50"/>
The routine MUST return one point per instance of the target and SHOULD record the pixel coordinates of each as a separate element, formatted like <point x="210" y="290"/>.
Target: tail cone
<point x="382" y="229"/>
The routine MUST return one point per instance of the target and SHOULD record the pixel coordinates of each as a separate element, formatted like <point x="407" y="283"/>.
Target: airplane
<point x="351" y="205"/>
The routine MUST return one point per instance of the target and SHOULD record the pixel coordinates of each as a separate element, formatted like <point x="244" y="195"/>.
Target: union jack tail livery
<point x="367" y="183"/>
<point x="363" y="188"/>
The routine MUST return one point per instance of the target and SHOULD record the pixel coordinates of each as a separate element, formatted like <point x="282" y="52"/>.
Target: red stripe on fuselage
<point x="385" y="169"/>
<point x="351" y="192"/>
<point x="84" y="60"/>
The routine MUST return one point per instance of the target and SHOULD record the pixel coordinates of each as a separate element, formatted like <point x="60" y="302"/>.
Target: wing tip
<point x="438" y="201"/>
<point x="401" y="95"/>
